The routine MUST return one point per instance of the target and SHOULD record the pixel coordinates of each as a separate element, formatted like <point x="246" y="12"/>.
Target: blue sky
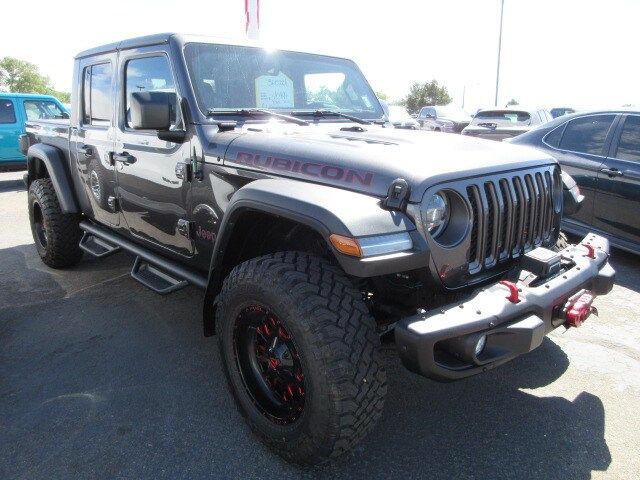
<point x="579" y="53"/>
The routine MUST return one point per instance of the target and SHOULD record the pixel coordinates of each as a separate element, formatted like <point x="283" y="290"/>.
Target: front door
<point x="10" y="130"/>
<point x="617" y="205"/>
<point x="93" y="138"/>
<point x="152" y="196"/>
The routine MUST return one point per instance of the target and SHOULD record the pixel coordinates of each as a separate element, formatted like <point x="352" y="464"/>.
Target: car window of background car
<point x="502" y="118"/>
<point x="7" y="112"/>
<point x="553" y="138"/>
<point x="42" y="109"/>
<point x="149" y="74"/>
<point x="96" y="105"/>
<point x="629" y="143"/>
<point x="587" y="134"/>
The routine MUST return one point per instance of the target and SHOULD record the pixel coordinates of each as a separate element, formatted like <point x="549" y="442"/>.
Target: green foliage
<point x="428" y="93"/>
<point x="381" y="95"/>
<point x="512" y="102"/>
<point x="19" y="76"/>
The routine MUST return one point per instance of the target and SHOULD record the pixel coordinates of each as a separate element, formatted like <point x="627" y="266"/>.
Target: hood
<point x="366" y="158"/>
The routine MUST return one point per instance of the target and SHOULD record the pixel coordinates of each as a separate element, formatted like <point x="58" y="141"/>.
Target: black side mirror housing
<point x="152" y="110"/>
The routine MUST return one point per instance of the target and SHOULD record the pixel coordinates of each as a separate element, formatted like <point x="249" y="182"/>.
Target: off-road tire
<point x="335" y="336"/>
<point x="59" y="247"/>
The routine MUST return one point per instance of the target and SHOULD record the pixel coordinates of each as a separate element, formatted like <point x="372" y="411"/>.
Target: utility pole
<point x="499" y="51"/>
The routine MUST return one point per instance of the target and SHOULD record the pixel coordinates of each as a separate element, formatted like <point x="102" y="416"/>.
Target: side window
<point x="97" y="101"/>
<point x="149" y="74"/>
<point x="587" y="134"/>
<point x="629" y="143"/>
<point x="553" y="138"/>
<point x="7" y="112"/>
<point x="42" y="109"/>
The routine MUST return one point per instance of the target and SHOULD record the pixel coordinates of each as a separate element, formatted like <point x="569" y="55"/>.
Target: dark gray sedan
<point x="601" y="151"/>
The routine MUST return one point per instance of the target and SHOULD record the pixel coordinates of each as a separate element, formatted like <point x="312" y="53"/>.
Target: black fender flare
<point x="57" y="169"/>
<point x="326" y="210"/>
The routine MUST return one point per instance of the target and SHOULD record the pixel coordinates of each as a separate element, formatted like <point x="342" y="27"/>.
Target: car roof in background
<point x="28" y="95"/>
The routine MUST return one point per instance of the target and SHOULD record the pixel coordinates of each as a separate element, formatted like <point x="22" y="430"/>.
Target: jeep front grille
<point x="511" y="215"/>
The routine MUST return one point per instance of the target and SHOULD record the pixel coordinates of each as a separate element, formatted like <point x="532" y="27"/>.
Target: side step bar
<point x="149" y="267"/>
<point x="155" y="279"/>
<point x="97" y="246"/>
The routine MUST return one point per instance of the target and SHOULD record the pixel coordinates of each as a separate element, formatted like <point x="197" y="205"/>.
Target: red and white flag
<point x="252" y="11"/>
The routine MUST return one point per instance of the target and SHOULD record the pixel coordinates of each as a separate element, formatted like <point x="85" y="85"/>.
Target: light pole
<point x="499" y="51"/>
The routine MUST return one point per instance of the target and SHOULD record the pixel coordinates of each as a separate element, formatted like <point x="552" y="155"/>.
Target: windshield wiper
<point x="251" y="112"/>
<point x="333" y="113"/>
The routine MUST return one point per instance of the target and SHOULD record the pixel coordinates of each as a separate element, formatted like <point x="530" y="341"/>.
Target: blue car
<point x="15" y="110"/>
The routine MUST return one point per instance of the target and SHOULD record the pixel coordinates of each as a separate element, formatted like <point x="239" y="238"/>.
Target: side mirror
<point x="152" y="110"/>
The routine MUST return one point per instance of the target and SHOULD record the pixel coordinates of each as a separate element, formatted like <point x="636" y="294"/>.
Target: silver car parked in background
<point x="443" y="119"/>
<point x="504" y="123"/>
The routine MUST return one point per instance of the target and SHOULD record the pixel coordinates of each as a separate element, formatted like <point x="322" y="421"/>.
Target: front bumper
<point x="428" y="343"/>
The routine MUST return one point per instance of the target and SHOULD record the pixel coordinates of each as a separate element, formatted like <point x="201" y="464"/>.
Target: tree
<point x="429" y="93"/>
<point x="24" y="77"/>
<point x="381" y="95"/>
<point x="512" y="102"/>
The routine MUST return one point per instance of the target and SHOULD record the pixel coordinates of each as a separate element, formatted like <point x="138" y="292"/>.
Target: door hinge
<point x="185" y="228"/>
<point x="183" y="171"/>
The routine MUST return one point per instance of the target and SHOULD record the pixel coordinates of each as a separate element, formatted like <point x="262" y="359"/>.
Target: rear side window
<point x="587" y="134"/>
<point x="553" y="138"/>
<point x="96" y="105"/>
<point x="7" y="112"/>
<point x="629" y="144"/>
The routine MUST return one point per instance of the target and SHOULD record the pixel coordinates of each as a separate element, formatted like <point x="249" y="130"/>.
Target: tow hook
<point x="578" y="308"/>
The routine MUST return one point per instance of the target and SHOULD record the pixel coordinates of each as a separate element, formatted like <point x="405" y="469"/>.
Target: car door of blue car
<point x="10" y="130"/>
<point x="617" y="205"/>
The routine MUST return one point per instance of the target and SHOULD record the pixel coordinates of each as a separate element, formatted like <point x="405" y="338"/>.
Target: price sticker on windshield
<point x="274" y="91"/>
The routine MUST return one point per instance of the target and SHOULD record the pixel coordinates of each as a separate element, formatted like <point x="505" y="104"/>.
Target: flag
<point x="252" y="12"/>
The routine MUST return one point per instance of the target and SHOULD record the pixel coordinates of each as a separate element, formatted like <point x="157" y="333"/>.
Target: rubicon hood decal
<point x="308" y="169"/>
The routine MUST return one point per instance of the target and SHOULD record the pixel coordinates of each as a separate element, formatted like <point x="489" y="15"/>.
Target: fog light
<point x="482" y="341"/>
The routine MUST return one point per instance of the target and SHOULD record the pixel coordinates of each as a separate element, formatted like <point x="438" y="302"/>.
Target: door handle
<point x="85" y="150"/>
<point x="612" y="172"/>
<point x="123" y="158"/>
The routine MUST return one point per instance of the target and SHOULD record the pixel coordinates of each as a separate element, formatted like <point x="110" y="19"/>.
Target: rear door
<point x="581" y="150"/>
<point x="617" y="204"/>
<point x="153" y="195"/>
<point x="11" y="127"/>
<point x="94" y="137"/>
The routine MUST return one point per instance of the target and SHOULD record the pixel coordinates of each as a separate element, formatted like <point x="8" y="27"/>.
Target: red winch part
<point x="578" y="308"/>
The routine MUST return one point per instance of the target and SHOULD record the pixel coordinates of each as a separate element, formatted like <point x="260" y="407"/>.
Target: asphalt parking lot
<point x="101" y="378"/>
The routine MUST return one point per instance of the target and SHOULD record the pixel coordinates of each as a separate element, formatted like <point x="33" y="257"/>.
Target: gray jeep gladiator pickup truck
<point x="270" y="180"/>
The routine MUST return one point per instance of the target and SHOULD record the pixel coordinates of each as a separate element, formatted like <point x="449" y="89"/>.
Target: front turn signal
<point x="347" y="245"/>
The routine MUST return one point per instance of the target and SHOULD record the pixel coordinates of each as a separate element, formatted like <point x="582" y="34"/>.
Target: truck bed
<point x="50" y="132"/>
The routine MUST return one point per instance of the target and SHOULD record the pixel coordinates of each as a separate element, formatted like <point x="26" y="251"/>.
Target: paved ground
<point x="100" y="378"/>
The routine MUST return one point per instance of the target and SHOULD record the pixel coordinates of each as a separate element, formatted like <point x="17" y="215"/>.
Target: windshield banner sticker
<point x="274" y="91"/>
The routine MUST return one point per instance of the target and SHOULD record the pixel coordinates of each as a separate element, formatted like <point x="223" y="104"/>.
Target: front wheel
<point x="301" y="355"/>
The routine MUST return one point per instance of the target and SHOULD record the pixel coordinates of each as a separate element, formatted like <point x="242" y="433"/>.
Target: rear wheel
<point x="55" y="234"/>
<point x="301" y="355"/>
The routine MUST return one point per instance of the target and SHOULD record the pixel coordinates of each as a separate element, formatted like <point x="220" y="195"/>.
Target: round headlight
<point x="436" y="214"/>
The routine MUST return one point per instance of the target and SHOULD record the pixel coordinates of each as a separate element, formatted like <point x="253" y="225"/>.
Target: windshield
<point x="229" y="77"/>
<point x="451" y="112"/>
<point x="399" y="114"/>
<point x="502" y="118"/>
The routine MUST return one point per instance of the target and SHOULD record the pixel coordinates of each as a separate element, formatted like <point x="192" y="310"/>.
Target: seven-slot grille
<point x="511" y="215"/>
